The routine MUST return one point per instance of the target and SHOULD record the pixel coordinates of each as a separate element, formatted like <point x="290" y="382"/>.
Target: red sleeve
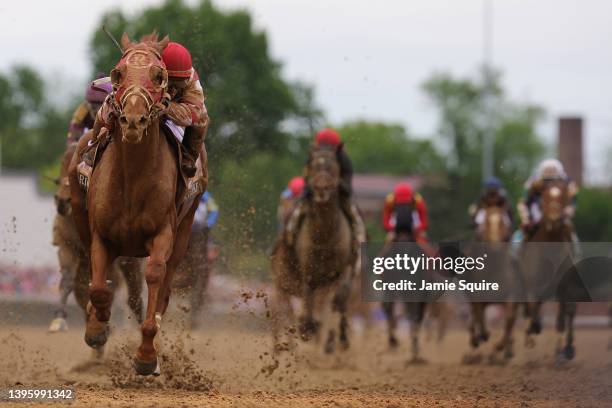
<point x="387" y="212"/>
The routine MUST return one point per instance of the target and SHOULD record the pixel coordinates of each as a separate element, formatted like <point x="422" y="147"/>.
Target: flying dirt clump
<point x="178" y="370"/>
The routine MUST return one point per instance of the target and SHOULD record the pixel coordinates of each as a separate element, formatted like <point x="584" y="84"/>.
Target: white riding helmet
<point x="551" y="169"/>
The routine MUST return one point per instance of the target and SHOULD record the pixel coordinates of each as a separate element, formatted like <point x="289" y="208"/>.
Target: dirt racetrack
<point x="226" y="364"/>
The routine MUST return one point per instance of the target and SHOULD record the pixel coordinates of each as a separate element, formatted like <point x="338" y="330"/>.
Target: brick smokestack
<point x="570" y="147"/>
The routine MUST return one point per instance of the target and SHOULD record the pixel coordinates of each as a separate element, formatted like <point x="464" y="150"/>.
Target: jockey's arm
<point x="387" y="212"/>
<point x="78" y="123"/>
<point x="188" y="108"/>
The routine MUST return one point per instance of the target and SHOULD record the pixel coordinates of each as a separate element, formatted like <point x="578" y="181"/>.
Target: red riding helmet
<point x="403" y="193"/>
<point x="328" y="137"/>
<point x="296" y="185"/>
<point x="178" y="60"/>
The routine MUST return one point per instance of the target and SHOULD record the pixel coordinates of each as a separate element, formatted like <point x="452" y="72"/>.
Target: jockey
<point x="206" y="214"/>
<point x="186" y="106"/>
<point x="529" y="209"/>
<point x="85" y="114"/>
<point x="405" y="211"/>
<point x="493" y="195"/>
<point x="288" y="198"/>
<point x="330" y="139"/>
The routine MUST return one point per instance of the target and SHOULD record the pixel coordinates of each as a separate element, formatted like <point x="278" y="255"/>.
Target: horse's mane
<point x="151" y="40"/>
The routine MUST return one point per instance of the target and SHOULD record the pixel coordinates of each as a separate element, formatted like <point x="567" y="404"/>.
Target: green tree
<point x="462" y="107"/>
<point x="31" y="129"/>
<point x="247" y="99"/>
<point x="593" y="219"/>
<point x="386" y="148"/>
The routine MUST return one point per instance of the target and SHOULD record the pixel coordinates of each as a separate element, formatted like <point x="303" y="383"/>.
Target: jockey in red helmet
<point x="405" y="211"/>
<point x="328" y="138"/>
<point x="186" y="107"/>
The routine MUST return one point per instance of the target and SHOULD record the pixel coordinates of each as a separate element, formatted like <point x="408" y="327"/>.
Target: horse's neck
<point x="140" y="161"/>
<point x="324" y="220"/>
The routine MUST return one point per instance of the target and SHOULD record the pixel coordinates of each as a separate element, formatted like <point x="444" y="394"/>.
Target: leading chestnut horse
<point x="134" y="205"/>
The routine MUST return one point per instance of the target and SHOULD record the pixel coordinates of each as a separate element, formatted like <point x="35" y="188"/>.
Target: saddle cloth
<point x="192" y="186"/>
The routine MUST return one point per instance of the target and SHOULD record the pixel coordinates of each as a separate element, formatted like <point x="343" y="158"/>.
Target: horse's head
<point x="140" y="82"/>
<point x="494" y="227"/>
<point x="323" y="175"/>
<point x="554" y="199"/>
<point x="62" y="197"/>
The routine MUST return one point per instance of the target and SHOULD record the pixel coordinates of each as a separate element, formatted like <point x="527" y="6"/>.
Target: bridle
<point x="154" y="96"/>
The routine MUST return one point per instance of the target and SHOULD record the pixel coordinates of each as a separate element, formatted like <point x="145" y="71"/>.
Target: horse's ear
<point x="163" y="43"/>
<point x="125" y="41"/>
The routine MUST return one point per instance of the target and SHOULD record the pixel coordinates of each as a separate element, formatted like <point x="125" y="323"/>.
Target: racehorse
<point x="553" y="227"/>
<point x="320" y="262"/>
<point x="415" y="311"/>
<point x="137" y="203"/>
<point x="494" y="228"/>
<point x="73" y="259"/>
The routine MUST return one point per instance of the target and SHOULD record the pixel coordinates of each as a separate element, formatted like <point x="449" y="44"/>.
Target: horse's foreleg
<point x="568" y="310"/>
<point x="81" y="283"/>
<point x="506" y="343"/>
<point x="132" y="272"/>
<point x="308" y="325"/>
<point x="416" y="317"/>
<point x="160" y="248"/>
<point x="391" y="323"/>
<point x="100" y="295"/>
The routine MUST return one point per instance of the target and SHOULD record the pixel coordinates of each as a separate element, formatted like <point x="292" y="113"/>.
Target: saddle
<point x="188" y="188"/>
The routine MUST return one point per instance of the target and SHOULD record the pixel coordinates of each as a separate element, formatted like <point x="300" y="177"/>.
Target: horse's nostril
<point x="143" y="120"/>
<point x="123" y="120"/>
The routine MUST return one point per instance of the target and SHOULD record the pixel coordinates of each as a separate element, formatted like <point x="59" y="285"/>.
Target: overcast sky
<point x="369" y="58"/>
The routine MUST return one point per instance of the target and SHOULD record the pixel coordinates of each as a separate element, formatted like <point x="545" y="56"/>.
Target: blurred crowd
<point x="18" y="280"/>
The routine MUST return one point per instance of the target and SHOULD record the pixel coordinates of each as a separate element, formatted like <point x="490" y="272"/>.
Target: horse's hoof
<point x="474" y="342"/>
<point x="344" y="345"/>
<point x="308" y="328"/>
<point x="97" y="337"/>
<point x="508" y="354"/>
<point x="147" y="368"/>
<point x="59" y="324"/>
<point x="393" y="343"/>
<point x="416" y="361"/>
<point x="569" y="352"/>
<point x="329" y="348"/>
<point x="484" y="337"/>
<point x="472" y="358"/>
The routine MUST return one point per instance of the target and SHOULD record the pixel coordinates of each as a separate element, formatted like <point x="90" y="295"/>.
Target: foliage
<point x="386" y="148"/>
<point x="467" y="108"/>
<point x="593" y="220"/>
<point x="247" y="99"/>
<point x="31" y="129"/>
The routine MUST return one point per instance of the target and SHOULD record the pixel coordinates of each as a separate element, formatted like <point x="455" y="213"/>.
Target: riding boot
<point x="294" y="221"/>
<point x="192" y="142"/>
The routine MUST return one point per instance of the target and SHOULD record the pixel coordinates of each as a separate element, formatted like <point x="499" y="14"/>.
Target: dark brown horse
<point x="415" y="311"/>
<point x="321" y="261"/>
<point x="135" y="202"/>
<point x="553" y="227"/>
